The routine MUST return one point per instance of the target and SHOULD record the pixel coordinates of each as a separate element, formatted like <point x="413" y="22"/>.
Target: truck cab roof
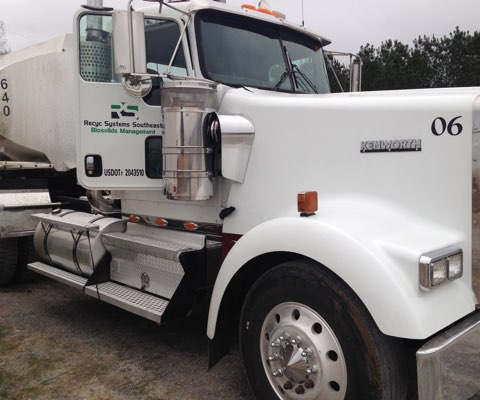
<point x="193" y="6"/>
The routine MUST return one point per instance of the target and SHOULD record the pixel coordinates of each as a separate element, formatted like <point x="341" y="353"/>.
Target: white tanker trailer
<point x="336" y="233"/>
<point x="36" y="143"/>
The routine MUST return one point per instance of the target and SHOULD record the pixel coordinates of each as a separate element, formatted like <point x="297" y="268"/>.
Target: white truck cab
<point x="334" y="232"/>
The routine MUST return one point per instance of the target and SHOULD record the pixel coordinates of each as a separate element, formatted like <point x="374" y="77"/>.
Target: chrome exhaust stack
<point x="187" y="149"/>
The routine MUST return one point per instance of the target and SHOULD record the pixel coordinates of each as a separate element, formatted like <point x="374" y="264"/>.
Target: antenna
<point x="303" y="16"/>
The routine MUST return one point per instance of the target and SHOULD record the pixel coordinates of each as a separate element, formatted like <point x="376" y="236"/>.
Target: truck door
<point x="119" y="142"/>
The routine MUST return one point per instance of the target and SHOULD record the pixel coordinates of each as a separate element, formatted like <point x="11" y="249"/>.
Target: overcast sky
<point x="348" y="23"/>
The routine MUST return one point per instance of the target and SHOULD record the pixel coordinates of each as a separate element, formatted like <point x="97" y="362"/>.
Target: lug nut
<point x="296" y="340"/>
<point x="307" y="352"/>
<point x="300" y="390"/>
<point x="273" y="357"/>
<point x="309" y="384"/>
<point x="285" y="336"/>
<point x="312" y="369"/>
<point x="288" y="385"/>
<point x="276" y="343"/>
<point x="278" y="372"/>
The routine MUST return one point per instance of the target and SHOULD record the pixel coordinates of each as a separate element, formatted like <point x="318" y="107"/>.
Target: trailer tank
<point x="36" y="143"/>
<point x="37" y="103"/>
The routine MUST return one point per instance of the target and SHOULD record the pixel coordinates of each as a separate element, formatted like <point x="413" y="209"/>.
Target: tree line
<point x="449" y="61"/>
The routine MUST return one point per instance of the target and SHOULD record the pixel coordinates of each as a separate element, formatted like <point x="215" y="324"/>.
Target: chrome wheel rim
<point x="301" y="355"/>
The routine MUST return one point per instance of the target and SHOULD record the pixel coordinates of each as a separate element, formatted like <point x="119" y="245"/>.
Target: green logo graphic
<point x="123" y="110"/>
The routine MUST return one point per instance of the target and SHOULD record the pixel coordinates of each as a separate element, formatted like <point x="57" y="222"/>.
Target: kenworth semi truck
<point x="336" y="234"/>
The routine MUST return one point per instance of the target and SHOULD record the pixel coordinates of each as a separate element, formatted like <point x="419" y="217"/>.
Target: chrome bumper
<point x="448" y="366"/>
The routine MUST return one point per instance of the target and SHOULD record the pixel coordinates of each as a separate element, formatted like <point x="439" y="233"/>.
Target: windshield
<point x="240" y="51"/>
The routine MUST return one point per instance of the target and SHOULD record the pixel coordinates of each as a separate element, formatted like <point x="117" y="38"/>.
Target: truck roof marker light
<point x="265" y="11"/>
<point x="277" y="14"/>
<point x="307" y="203"/>
<point x="161" y="222"/>
<point x="134" y="218"/>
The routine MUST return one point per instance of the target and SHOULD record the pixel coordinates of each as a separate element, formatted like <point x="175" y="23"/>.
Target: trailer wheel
<point x="8" y="260"/>
<point x="26" y="254"/>
<point x="305" y="335"/>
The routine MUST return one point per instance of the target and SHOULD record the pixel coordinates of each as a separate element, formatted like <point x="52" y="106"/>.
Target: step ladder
<point x="135" y="301"/>
<point x="145" y="269"/>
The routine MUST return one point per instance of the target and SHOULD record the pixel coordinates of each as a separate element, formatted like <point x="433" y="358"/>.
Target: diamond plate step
<point x="58" y="274"/>
<point x="135" y="301"/>
<point x="140" y="244"/>
<point x="129" y="299"/>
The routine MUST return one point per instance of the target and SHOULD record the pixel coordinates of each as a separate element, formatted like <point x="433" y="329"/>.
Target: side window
<point x="96" y="50"/>
<point x="154" y="157"/>
<point x="96" y="53"/>
<point x="161" y="37"/>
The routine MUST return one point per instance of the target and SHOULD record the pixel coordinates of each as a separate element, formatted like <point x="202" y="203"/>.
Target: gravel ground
<point x="57" y="344"/>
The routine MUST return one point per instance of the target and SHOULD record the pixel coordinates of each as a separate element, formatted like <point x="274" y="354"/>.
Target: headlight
<point x="439" y="272"/>
<point x="455" y="266"/>
<point x="441" y="266"/>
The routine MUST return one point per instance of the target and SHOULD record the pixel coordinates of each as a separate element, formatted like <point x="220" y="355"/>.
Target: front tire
<point x="305" y="335"/>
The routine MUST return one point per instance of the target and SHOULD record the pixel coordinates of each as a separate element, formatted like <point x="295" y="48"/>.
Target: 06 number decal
<point x="441" y="125"/>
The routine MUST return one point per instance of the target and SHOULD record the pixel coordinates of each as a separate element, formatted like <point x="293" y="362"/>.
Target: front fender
<point x="376" y="253"/>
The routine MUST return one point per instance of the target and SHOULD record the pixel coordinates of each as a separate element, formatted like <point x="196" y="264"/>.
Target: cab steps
<point x="129" y="299"/>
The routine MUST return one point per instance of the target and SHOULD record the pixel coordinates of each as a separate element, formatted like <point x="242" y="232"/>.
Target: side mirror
<point x="130" y="52"/>
<point x="355" y="70"/>
<point x="356" y="74"/>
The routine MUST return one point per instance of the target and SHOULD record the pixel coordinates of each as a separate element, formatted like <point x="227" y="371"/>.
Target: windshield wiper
<point x="286" y="74"/>
<point x="305" y="78"/>
<point x="291" y="71"/>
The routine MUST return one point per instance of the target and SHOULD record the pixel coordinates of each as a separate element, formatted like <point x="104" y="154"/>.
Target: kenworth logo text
<point x="386" y="146"/>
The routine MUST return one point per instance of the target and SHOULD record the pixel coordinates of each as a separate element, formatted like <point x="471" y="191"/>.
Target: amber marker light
<point x="133" y="218"/>
<point x="191" y="226"/>
<point x="307" y="203"/>
<point x="263" y="10"/>
<point x="161" y="222"/>
<point x="266" y="11"/>
<point x="278" y="14"/>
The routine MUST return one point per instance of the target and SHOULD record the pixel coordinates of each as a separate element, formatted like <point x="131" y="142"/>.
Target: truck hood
<point x="388" y="172"/>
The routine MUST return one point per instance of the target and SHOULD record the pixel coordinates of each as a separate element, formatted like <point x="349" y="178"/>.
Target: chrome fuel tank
<point x="62" y="242"/>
